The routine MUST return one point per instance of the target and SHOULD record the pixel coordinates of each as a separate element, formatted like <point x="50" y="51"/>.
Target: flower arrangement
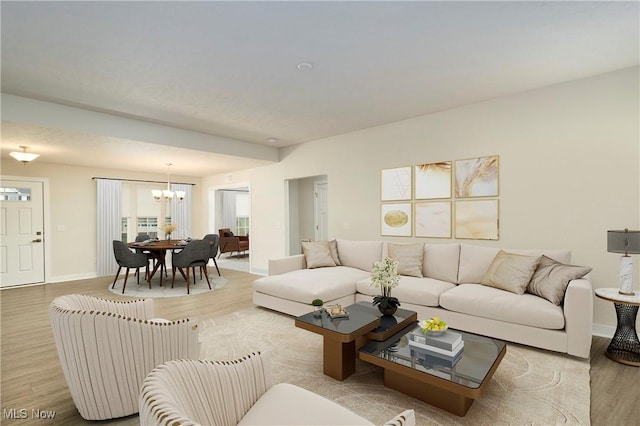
<point x="168" y="229"/>
<point x="384" y="274"/>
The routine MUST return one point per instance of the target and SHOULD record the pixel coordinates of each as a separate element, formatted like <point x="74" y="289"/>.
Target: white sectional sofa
<point x="450" y="287"/>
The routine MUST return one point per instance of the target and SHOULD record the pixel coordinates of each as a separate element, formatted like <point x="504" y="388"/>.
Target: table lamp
<point x="627" y="242"/>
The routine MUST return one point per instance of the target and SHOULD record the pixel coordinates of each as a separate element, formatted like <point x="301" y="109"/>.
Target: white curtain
<point x="229" y="210"/>
<point x="181" y="212"/>
<point x="109" y="224"/>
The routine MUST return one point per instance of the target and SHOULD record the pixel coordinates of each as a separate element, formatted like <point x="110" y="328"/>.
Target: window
<point x="123" y="229"/>
<point x="15" y="194"/>
<point x="147" y="225"/>
<point x="242" y="225"/>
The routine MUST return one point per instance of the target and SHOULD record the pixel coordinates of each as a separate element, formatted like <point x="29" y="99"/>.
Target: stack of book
<point x="443" y="350"/>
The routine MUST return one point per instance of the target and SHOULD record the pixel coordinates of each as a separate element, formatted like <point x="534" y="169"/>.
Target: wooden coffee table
<point x="450" y="387"/>
<point x="343" y="336"/>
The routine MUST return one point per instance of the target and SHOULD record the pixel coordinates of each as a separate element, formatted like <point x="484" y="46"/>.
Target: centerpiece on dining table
<point x="168" y="229"/>
<point x="384" y="274"/>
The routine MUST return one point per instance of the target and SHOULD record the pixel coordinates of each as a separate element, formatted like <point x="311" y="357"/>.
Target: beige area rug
<point x="531" y="386"/>
<point x="179" y="287"/>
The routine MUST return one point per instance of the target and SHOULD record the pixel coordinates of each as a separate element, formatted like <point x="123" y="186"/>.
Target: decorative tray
<point x="336" y="311"/>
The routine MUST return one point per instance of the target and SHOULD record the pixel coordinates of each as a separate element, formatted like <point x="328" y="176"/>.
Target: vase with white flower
<point x="168" y="229"/>
<point x="384" y="274"/>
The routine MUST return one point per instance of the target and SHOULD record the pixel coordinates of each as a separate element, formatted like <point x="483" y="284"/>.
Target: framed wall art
<point x="395" y="184"/>
<point x="433" y="180"/>
<point x="433" y="219"/>
<point x="395" y="219"/>
<point x="477" y="219"/>
<point x="477" y="177"/>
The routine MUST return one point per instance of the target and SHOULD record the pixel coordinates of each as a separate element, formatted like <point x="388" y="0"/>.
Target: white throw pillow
<point x="409" y="258"/>
<point x="510" y="272"/>
<point x="317" y="254"/>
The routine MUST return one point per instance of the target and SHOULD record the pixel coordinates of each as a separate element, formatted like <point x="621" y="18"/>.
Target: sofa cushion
<point x="419" y="291"/>
<point x="552" y="278"/>
<point x="488" y="302"/>
<point x="317" y="254"/>
<point x="475" y="260"/>
<point x="304" y="285"/>
<point x="287" y="404"/>
<point x="333" y="247"/>
<point x="408" y="256"/>
<point x="511" y="272"/>
<point x="441" y="261"/>
<point x="359" y="254"/>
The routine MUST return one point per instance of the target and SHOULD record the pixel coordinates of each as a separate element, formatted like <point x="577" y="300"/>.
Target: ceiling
<point x="228" y="71"/>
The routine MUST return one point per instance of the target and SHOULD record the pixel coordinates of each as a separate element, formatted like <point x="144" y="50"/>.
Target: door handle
<point x="37" y="240"/>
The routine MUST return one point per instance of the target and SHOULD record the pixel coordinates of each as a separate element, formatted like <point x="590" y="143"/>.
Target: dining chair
<point x="128" y="259"/>
<point x="214" y="240"/>
<point x="106" y="349"/>
<point x="150" y="257"/>
<point x="195" y="254"/>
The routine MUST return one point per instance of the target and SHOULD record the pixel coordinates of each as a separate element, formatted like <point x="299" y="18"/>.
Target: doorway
<point x="307" y="213"/>
<point x="21" y="232"/>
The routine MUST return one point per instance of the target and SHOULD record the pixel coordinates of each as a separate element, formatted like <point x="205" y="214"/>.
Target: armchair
<point x="107" y="348"/>
<point x="189" y="392"/>
<point x="232" y="243"/>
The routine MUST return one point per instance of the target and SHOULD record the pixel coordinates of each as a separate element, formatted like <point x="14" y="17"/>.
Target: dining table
<point x="158" y="250"/>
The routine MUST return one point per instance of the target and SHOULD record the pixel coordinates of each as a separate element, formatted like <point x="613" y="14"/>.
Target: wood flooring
<point x="31" y="377"/>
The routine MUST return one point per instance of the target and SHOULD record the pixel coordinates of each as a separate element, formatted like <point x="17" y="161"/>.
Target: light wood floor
<point x="32" y="378"/>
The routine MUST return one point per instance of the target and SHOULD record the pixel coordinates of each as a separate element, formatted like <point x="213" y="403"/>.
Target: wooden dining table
<point x="158" y="250"/>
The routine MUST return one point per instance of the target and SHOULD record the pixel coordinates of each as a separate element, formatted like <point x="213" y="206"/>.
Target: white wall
<point x="569" y="171"/>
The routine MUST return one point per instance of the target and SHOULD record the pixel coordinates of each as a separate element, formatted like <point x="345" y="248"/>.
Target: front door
<point x="21" y="232"/>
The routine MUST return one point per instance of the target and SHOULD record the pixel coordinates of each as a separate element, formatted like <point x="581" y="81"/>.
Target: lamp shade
<point x="624" y="241"/>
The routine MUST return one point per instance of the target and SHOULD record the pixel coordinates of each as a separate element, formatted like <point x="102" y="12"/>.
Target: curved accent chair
<point x="225" y="393"/>
<point x="107" y="348"/>
<point x="195" y="254"/>
<point x="128" y="259"/>
<point x="214" y="240"/>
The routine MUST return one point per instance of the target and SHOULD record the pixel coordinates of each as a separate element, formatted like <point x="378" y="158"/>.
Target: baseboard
<point x="602" y="330"/>
<point x="259" y="271"/>
<point x="64" y="278"/>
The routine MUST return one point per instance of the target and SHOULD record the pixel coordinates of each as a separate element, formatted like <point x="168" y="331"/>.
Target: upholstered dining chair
<point x="230" y="242"/>
<point x="128" y="259"/>
<point x="214" y="240"/>
<point x="107" y="348"/>
<point x="150" y="257"/>
<point x="195" y="254"/>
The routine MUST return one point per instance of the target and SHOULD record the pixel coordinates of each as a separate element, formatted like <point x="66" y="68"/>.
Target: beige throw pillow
<point x="551" y="279"/>
<point x="317" y="254"/>
<point x="510" y="272"/>
<point x="409" y="257"/>
<point x="333" y="248"/>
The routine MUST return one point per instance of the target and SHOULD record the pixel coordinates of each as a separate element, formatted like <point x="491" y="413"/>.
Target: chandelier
<point x="167" y="194"/>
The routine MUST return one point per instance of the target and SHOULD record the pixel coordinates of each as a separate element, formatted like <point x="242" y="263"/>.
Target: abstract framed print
<point x="477" y="219"/>
<point x="433" y="219"/>
<point x="395" y="184"/>
<point x="433" y="180"/>
<point x="477" y="177"/>
<point x="395" y="219"/>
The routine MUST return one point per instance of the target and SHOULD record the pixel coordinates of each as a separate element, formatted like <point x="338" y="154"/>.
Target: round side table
<point x="624" y="346"/>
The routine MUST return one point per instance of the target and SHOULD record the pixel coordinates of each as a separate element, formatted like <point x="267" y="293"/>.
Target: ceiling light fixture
<point x="167" y="194"/>
<point x="23" y="155"/>
<point x="305" y="66"/>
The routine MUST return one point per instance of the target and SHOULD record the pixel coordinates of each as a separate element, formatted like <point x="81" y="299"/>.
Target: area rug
<point x="179" y="287"/>
<point x="531" y="386"/>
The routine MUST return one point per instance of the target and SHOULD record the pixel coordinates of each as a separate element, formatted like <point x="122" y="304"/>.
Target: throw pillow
<point x="510" y="272"/>
<point x="317" y="254"/>
<point x="228" y="234"/>
<point x="406" y="418"/>
<point x="333" y="247"/>
<point x="409" y="257"/>
<point x="551" y="279"/>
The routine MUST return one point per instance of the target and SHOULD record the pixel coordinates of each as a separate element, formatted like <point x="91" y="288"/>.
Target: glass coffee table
<point x="343" y="336"/>
<point x="449" y="384"/>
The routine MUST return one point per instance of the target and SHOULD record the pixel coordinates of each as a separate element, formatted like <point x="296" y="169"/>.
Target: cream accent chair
<point x="107" y="348"/>
<point x="240" y="392"/>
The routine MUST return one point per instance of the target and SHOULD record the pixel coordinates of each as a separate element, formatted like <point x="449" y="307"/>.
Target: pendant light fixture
<point x="23" y="155"/>
<point x="167" y="194"/>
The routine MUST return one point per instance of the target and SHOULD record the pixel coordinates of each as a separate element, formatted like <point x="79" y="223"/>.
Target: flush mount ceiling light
<point x="23" y="155"/>
<point x="305" y="66"/>
<point x="272" y="140"/>
<point x="167" y="194"/>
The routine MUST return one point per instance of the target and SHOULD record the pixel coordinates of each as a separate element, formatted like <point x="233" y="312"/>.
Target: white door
<point x="321" y="209"/>
<point x="21" y="233"/>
